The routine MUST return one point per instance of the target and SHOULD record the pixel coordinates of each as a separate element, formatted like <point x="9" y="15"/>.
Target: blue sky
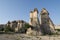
<point x="19" y="9"/>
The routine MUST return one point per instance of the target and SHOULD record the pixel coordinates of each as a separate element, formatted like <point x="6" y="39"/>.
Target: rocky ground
<point x="27" y="37"/>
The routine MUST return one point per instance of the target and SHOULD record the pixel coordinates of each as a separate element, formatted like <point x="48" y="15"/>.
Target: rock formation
<point x="47" y="26"/>
<point x="16" y="25"/>
<point x="34" y="21"/>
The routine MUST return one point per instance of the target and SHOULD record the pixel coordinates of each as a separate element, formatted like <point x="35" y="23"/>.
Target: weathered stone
<point x="47" y="25"/>
<point x="34" y="21"/>
<point x="29" y="31"/>
<point x="16" y="25"/>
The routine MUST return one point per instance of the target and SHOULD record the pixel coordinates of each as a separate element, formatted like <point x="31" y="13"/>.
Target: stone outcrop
<point x="34" y="21"/>
<point x="45" y="25"/>
<point x="16" y="25"/>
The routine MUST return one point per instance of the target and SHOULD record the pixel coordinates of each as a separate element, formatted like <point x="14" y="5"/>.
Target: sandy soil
<point x="27" y="37"/>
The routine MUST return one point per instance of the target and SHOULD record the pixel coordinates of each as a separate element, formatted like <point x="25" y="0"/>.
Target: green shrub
<point x="58" y="29"/>
<point x="7" y="29"/>
<point x="24" y="29"/>
<point x="27" y="26"/>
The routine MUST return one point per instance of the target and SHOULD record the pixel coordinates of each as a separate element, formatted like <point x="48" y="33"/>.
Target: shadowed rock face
<point x="47" y="26"/>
